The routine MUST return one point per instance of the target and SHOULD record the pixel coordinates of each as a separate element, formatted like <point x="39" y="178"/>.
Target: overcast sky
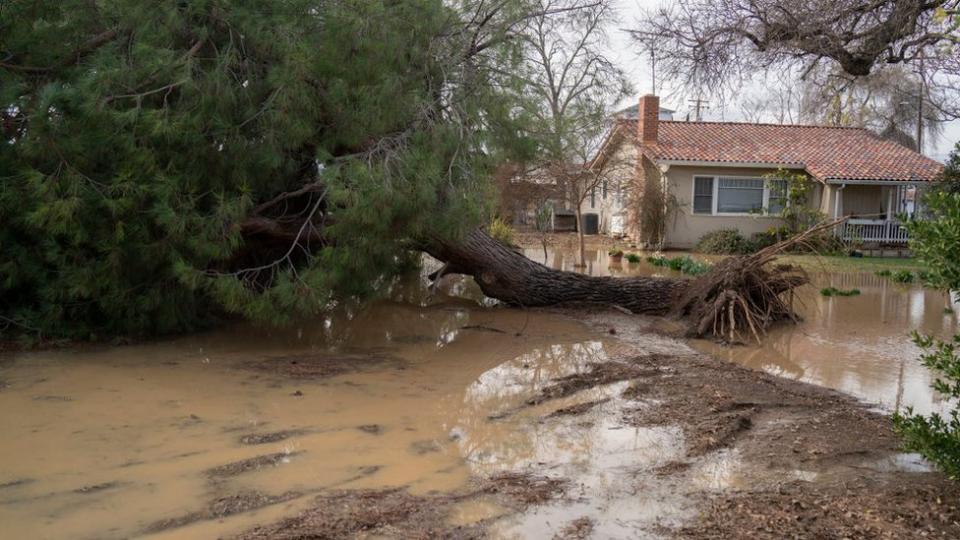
<point x="637" y="66"/>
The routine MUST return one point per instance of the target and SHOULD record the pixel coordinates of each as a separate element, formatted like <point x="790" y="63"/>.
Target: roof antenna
<point x="699" y="104"/>
<point x="653" y="71"/>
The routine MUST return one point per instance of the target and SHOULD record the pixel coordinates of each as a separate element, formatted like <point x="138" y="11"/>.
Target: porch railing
<point x="874" y="231"/>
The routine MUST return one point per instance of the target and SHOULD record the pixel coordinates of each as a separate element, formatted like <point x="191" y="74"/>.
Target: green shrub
<point x="768" y="238"/>
<point x="884" y="273"/>
<point x="633" y="258"/>
<point x="615" y="252"/>
<point x="935" y="437"/>
<point x="723" y="242"/>
<point x="501" y="231"/>
<point x="833" y="291"/>
<point x="936" y="241"/>
<point x="903" y="276"/>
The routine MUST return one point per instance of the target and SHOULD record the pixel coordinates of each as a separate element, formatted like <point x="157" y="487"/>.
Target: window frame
<point x="714" y="211"/>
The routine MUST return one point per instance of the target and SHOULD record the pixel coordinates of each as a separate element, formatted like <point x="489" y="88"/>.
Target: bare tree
<point x="707" y="44"/>
<point x="892" y="102"/>
<point x="584" y="179"/>
<point x="571" y="86"/>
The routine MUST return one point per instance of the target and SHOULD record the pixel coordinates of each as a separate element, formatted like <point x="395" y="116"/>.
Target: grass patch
<point x="833" y="291"/>
<point x="684" y="264"/>
<point x="841" y="264"/>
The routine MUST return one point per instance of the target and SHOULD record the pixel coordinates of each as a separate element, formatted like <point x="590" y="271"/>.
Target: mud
<point x="578" y="529"/>
<point x="276" y="436"/>
<point x="249" y="465"/>
<point x="396" y="513"/>
<point x="598" y="374"/>
<point x="222" y="507"/>
<point x="925" y="506"/>
<point x="578" y="409"/>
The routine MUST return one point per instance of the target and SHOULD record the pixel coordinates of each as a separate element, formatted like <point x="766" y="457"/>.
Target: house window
<point x="593" y="197"/>
<point x="703" y="195"/>
<point x="604" y="190"/>
<point x="740" y="195"/>
<point x="777" y="197"/>
<point x="719" y="195"/>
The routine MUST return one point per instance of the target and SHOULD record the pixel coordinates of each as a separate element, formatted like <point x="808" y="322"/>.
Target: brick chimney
<point x="648" y="123"/>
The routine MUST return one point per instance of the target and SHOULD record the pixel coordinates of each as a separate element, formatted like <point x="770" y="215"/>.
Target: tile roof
<point x="827" y="153"/>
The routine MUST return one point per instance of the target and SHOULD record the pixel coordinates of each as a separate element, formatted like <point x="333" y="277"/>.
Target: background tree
<point x="168" y="163"/>
<point x="709" y="45"/>
<point x="951" y="172"/>
<point x="892" y="102"/>
<point x="570" y="87"/>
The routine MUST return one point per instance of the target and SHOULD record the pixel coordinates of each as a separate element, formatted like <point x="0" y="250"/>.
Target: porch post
<point x="891" y="192"/>
<point x="838" y="201"/>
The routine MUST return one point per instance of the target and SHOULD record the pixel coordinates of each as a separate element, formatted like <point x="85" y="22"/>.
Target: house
<point x="713" y="174"/>
<point x="608" y="201"/>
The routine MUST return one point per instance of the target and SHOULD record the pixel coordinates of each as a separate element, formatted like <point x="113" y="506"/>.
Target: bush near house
<point x="723" y="242"/>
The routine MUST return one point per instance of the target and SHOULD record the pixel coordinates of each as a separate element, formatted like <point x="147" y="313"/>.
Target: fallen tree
<point x="740" y="296"/>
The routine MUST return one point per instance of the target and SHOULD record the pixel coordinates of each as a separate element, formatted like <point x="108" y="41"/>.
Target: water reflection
<point x="860" y="345"/>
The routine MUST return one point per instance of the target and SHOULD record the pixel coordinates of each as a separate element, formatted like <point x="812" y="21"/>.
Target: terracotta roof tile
<point x="827" y="153"/>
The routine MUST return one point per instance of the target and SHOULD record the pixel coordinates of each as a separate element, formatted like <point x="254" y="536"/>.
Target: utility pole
<point x="920" y="107"/>
<point x="699" y="104"/>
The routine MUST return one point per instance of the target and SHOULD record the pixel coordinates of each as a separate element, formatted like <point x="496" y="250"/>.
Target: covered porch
<point x="874" y="209"/>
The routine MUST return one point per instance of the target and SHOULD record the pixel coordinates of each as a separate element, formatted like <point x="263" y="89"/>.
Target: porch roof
<point x="829" y="154"/>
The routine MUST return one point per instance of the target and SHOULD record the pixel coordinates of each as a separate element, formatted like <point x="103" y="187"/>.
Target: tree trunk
<point x="740" y="297"/>
<point x="581" y="258"/>
<point x="507" y="275"/>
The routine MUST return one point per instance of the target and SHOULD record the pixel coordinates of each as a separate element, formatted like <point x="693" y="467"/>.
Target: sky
<point x="637" y="67"/>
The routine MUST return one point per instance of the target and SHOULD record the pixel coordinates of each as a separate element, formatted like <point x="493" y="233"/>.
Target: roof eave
<point x="878" y="181"/>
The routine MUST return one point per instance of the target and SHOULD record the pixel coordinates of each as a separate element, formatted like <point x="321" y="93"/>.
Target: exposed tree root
<point x="742" y="296"/>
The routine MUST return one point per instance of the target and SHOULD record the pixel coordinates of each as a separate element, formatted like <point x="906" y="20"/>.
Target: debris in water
<point x="264" y="438"/>
<point x="252" y="464"/>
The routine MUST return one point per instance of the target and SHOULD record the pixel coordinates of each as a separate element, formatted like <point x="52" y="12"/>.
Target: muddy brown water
<point x="860" y="345"/>
<point x="156" y="440"/>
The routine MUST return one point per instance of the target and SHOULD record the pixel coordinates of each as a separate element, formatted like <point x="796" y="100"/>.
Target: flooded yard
<point x="493" y="421"/>
<point x="859" y="345"/>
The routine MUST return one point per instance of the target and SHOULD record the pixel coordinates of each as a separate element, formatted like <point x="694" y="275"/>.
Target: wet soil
<point x="250" y="465"/>
<point x="223" y="507"/>
<point x="396" y="513"/>
<point x="923" y="506"/>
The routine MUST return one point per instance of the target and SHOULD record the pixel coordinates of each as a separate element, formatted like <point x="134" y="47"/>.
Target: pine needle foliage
<point x="146" y="149"/>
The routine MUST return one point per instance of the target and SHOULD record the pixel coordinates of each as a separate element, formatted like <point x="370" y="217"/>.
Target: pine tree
<point x="164" y="164"/>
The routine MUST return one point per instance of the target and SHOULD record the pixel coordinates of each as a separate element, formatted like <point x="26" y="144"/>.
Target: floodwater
<point x="119" y="442"/>
<point x="859" y="345"/>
